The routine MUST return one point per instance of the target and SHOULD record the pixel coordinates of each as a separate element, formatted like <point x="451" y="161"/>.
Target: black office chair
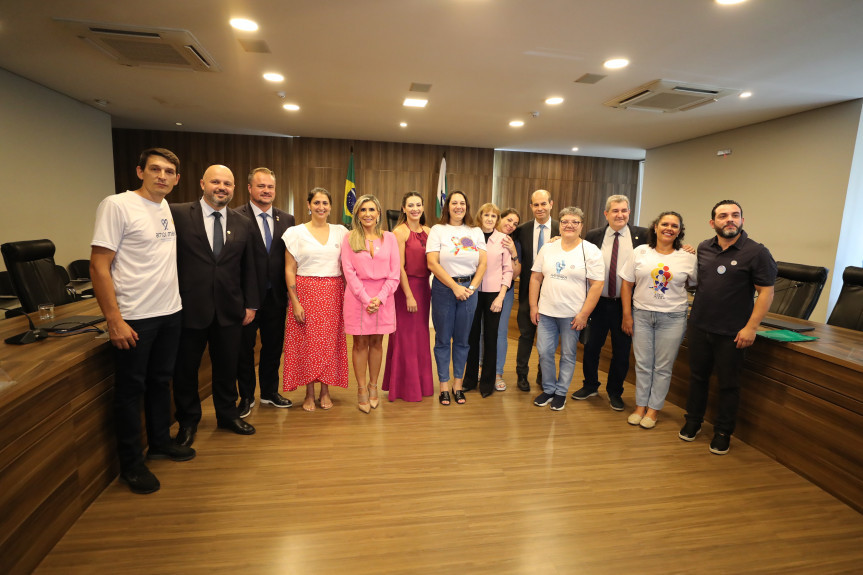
<point x="79" y="270"/>
<point x="848" y="311"/>
<point x="797" y="289"/>
<point x="34" y="274"/>
<point x="392" y="218"/>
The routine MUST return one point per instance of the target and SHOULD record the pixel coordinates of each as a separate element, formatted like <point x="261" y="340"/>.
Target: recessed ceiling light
<point x="403" y="124"/>
<point x="415" y="103"/>
<point x="516" y="123"/>
<point x="554" y="101"/>
<point x="745" y="94"/>
<point x="273" y="77"/>
<point x="244" y="24"/>
<point x="178" y="123"/>
<point x="291" y="107"/>
<point x="616" y="63"/>
<point x="730" y="2"/>
<point x="575" y="149"/>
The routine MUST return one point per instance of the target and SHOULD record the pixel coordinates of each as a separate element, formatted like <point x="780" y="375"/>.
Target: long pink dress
<point x="408" y="373"/>
<point x="368" y="277"/>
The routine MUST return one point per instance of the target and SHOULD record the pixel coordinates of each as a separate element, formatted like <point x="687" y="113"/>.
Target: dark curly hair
<point x="651" y="231"/>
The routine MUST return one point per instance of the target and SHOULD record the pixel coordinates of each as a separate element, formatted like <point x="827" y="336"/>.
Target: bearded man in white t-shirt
<point x="133" y="266"/>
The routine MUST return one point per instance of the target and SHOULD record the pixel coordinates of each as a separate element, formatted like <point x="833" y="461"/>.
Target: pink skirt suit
<point x="368" y="277"/>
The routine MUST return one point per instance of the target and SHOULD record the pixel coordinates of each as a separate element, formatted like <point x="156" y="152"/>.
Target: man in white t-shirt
<point x="133" y="266"/>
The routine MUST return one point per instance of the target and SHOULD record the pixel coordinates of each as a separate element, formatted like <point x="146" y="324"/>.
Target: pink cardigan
<point x="499" y="264"/>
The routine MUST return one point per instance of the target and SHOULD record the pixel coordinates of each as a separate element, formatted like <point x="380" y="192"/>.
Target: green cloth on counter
<point x="785" y="335"/>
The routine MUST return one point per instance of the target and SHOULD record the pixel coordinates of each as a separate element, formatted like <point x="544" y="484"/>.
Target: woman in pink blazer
<point x="495" y="282"/>
<point x="371" y="264"/>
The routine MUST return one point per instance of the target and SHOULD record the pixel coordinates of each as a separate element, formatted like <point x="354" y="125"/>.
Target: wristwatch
<point x="471" y="288"/>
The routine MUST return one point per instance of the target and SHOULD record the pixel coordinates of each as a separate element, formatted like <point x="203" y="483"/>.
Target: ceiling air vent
<point x="669" y="96"/>
<point x="146" y="47"/>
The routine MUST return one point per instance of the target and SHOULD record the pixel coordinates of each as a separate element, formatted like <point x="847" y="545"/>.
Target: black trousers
<point x="270" y="321"/>
<point x="607" y="317"/>
<point x="707" y="350"/>
<point x="224" y="344"/>
<point x="145" y="371"/>
<point x="526" y="335"/>
<point x="486" y="322"/>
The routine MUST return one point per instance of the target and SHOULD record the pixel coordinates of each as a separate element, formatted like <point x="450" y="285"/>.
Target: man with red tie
<point x="616" y="240"/>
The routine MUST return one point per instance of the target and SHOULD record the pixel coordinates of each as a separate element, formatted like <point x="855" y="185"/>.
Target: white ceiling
<point x="349" y="65"/>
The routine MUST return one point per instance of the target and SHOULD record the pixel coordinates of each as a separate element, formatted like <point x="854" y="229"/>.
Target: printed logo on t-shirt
<point x="661" y="277"/>
<point x="559" y="267"/>
<point x="463" y="244"/>
<point x="166" y="234"/>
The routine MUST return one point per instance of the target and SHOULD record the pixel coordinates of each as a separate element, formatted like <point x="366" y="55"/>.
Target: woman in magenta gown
<point x="408" y="372"/>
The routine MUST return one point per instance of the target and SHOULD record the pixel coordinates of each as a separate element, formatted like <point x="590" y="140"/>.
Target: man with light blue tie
<point x="270" y="318"/>
<point x="532" y="235"/>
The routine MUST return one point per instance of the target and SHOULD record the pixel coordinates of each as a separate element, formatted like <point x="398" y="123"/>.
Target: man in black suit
<point x="219" y="289"/>
<point x="616" y="240"/>
<point x="273" y="291"/>
<point x="532" y="235"/>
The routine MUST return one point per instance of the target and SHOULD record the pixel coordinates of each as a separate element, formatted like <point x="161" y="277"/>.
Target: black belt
<point x="611" y="298"/>
<point x="462" y="279"/>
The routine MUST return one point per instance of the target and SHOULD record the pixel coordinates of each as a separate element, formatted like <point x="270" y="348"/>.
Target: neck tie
<point x="541" y="239"/>
<point x="612" y="267"/>
<point x="218" y="236"/>
<point x="268" y="237"/>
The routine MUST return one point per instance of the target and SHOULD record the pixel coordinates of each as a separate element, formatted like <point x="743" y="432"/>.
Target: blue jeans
<point x="656" y="338"/>
<point x="452" y="319"/>
<point x="548" y="330"/>
<point x="503" y="328"/>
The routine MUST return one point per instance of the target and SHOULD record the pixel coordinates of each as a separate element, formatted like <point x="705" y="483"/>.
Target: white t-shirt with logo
<point x="564" y="285"/>
<point x="660" y="280"/>
<point x="459" y="248"/>
<point x="144" y="271"/>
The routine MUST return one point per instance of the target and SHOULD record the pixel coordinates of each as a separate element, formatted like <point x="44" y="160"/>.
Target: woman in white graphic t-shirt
<point x="654" y="311"/>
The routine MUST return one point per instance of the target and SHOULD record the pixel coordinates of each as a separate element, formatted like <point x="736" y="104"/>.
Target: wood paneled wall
<point x="385" y="169"/>
<point x="580" y="181"/>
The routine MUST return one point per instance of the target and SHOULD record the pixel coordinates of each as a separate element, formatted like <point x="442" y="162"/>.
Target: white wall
<point x="56" y="163"/>
<point x="791" y="175"/>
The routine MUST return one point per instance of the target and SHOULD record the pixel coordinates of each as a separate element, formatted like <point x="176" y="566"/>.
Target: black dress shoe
<point x="186" y="436"/>
<point x="277" y="401"/>
<point x="245" y="407"/>
<point x="238" y="426"/>
<point x="522" y="383"/>
<point x="486" y="393"/>
<point x="468" y="387"/>
<point x="140" y="480"/>
<point x="171" y="451"/>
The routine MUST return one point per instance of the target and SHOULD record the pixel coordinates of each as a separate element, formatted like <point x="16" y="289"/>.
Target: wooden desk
<point x="57" y="445"/>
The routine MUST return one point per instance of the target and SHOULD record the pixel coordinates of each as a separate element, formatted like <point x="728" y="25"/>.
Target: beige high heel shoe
<point x="373" y="399"/>
<point x="365" y="407"/>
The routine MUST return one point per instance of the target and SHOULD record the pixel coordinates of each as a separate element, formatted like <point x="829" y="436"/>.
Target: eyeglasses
<point x="569" y="224"/>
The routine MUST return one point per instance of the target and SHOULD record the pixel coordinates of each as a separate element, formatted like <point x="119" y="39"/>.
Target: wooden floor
<point x="494" y="486"/>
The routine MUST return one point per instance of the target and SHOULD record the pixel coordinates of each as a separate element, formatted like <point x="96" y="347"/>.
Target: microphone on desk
<point x="33" y="334"/>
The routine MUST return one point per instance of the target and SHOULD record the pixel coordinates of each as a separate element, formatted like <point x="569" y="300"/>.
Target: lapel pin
<point x="229" y="232"/>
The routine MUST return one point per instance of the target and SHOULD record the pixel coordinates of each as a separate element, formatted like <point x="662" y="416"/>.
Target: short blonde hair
<point x="489" y="207"/>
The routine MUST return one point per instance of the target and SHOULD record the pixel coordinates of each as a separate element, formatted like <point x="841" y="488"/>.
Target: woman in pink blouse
<point x="371" y="264"/>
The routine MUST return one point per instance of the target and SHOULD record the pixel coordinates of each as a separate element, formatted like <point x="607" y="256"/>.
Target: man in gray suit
<point x="532" y="235"/>
<point x="219" y="289"/>
<point x="273" y="291"/>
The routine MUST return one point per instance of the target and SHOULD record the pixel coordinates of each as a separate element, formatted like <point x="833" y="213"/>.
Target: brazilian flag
<point x="350" y="195"/>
